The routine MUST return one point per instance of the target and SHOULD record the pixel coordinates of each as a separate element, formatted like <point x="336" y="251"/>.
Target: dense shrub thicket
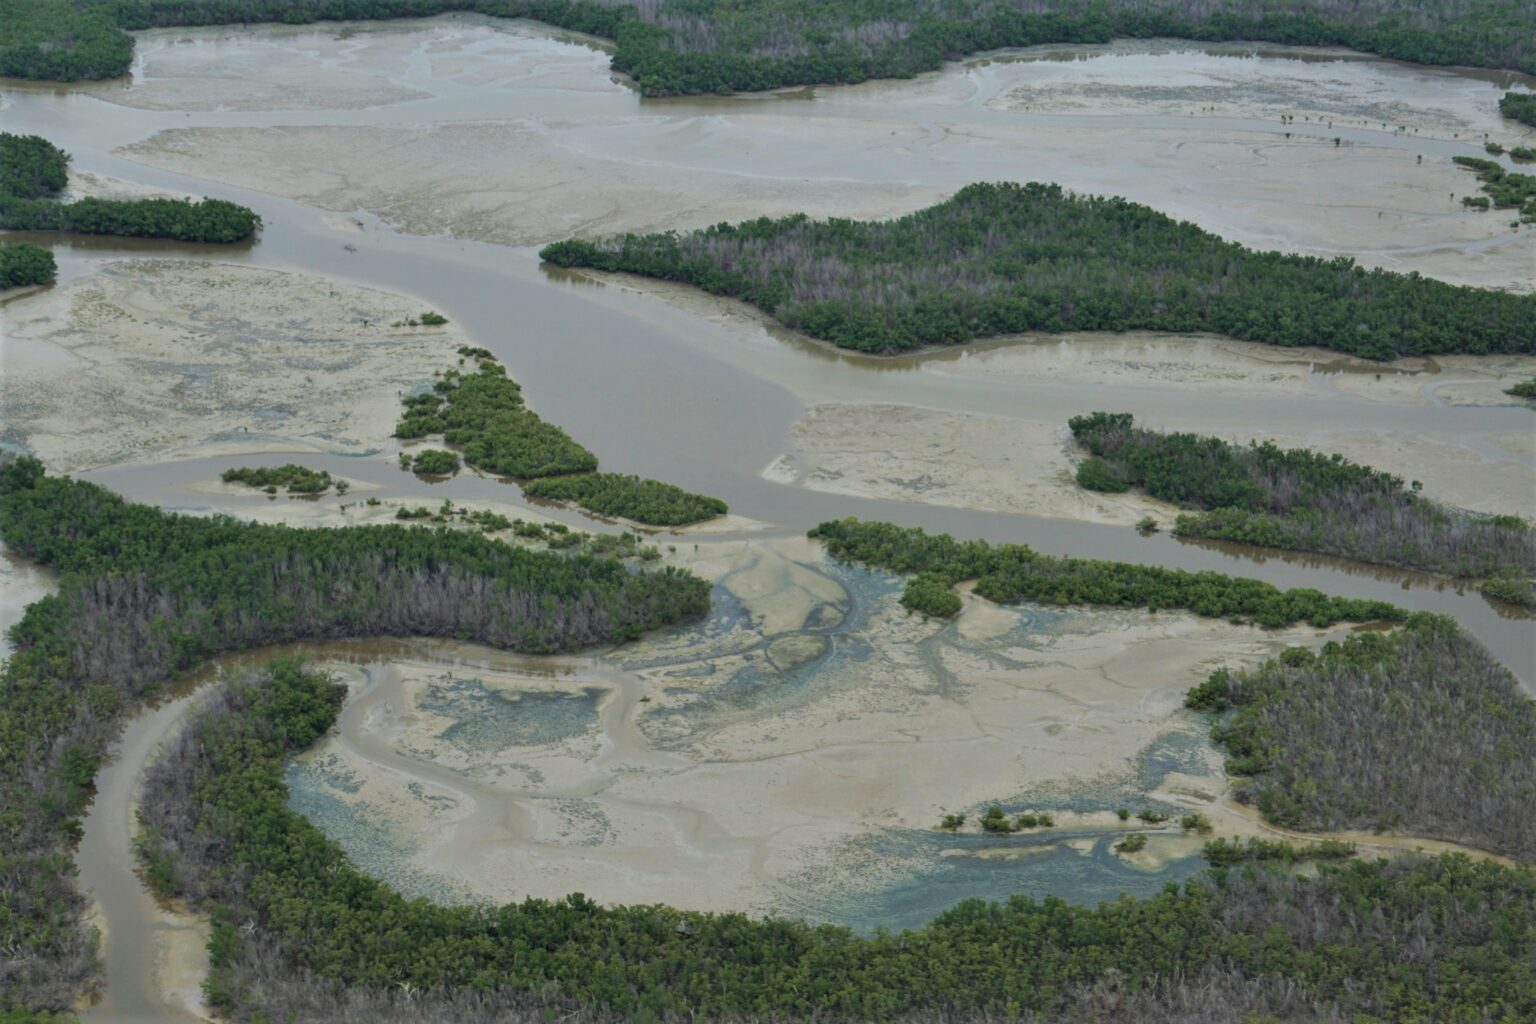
<point x="1417" y="731"/>
<point x="144" y="595"/>
<point x="700" y="46"/>
<point x="1298" y="499"/>
<point x="616" y="494"/>
<point x="483" y="414"/>
<point x="297" y="924"/>
<point x="32" y="169"/>
<point x="999" y="258"/>
<point x="1519" y="106"/>
<point x="22" y="263"/>
<point x="1015" y="572"/>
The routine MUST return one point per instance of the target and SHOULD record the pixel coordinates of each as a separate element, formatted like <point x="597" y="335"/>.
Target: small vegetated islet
<point x="1015" y="572"/>
<point x="291" y="477"/>
<point x="1298" y="499"/>
<point x="1418" y="731"/>
<point x="1002" y="258"/>
<point x="483" y="414"/>
<point x="32" y="169"/>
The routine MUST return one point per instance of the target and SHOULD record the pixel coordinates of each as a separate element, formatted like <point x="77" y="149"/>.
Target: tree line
<point x="1418" y="731"/>
<point x="145" y="595"/>
<point x="483" y="414"/>
<point x="1004" y="258"/>
<point x="299" y="932"/>
<point x="1016" y="572"/>
<point x="703" y="46"/>
<point x="1299" y="499"/>
<point x="32" y="170"/>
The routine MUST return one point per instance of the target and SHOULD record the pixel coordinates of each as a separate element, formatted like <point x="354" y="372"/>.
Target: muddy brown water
<point x="655" y="390"/>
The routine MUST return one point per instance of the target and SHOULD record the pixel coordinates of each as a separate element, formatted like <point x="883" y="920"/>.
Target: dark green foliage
<point x="1505" y="189"/>
<point x="483" y="414"/>
<point x="1098" y="474"/>
<point x="1303" y="500"/>
<point x="435" y="462"/>
<point x="615" y="494"/>
<point x="430" y="319"/>
<point x="63" y="40"/>
<point x="144" y="595"/>
<point x="1514" y="589"/>
<point x="22" y="263"/>
<point x="1000" y="258"/>
<point x="1519" y="106"/>
<point x="1523" y="389"/>
<point x="295" y="478"/>
<point x="31" y="168"/>
<point x="1226" y="852"/>
<point x="1418" y="730"/>
<point x="1523" y="154"/>
<point x="217" y="806"/>
<point x="1014" y="572"/>
<point x="931" y="594"/>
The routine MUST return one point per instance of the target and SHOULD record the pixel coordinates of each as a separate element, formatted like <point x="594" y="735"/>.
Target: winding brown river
<point x="660" y="391"/>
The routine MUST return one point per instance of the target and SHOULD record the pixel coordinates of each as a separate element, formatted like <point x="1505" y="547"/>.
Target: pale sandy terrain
<point x="992" y="463"/>
<point x="662" y="792"/>
<point x="443" y="144"/>
<point x="145" y="360"/>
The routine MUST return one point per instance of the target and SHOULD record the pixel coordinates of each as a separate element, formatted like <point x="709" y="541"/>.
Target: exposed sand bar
<point x="145" y="360"/>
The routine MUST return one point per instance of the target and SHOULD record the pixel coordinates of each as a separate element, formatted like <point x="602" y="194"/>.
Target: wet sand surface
<point x="768" y="758"/>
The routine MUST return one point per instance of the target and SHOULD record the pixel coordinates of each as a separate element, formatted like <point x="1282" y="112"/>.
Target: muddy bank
<point x="144" y="360"/>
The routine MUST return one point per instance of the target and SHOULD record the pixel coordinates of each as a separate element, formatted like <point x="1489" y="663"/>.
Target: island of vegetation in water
<point x="1016" y="572"/>
<point x="300" y="933"/>
<point x="1299" y="499"/>
<point x="293" y="478"/>
<point x="1418" y="731"/>
<point x="1504" y="190"/>
<point x="145" y="595"/>
<point x="705" y="46"/>
<point x="32" y="170"/>
<point x="1003" y="258"/>
<point x="484" y="416"/>
<point x="22" y="263"/>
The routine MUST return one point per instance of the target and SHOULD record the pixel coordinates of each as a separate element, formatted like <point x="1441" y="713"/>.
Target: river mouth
<point x="763" y="761"/>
